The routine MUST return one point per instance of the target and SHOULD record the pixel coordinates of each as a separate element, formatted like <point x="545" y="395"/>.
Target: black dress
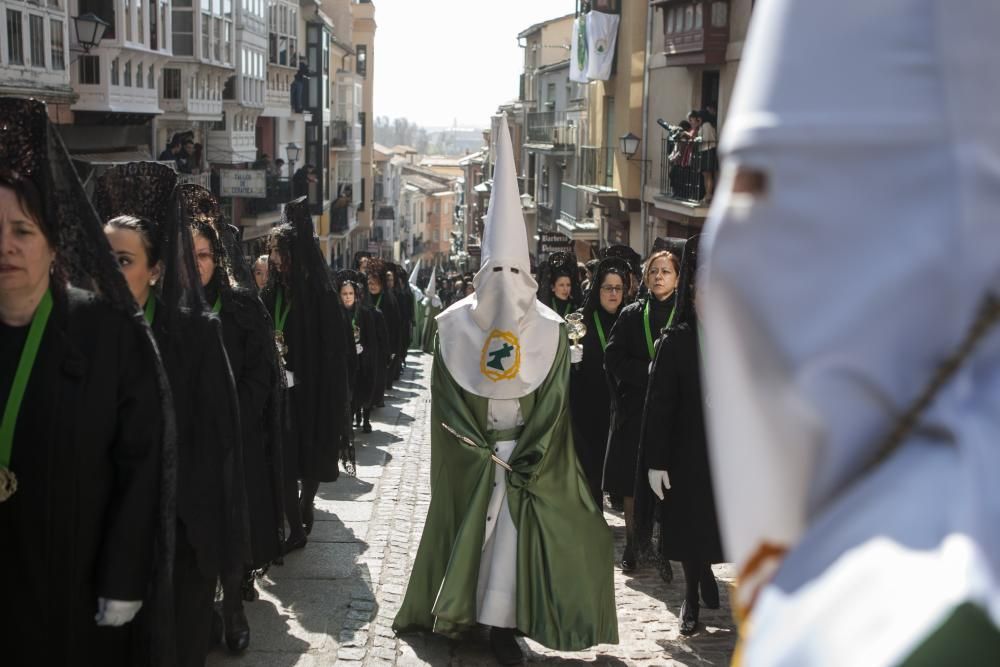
<point x="384" y="335"/>
<point x="562" y="308"/>
<point x="675" y="441"/>
<point x="363" y="396"/>
<point x="87" y="457"/>
<point x="386" y="303"/>
<point x="590" y="402"/>
<point x="211" y="502"/>
<point x="249" y="341"/>
<point x="627" y="362"/>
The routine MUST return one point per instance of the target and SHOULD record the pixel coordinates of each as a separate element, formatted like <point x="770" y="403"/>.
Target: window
<point x="362" y="56"/>
<point x="361" y="199"/>
<point x="138" y="76"/>
<point x="151" y="79"/>
<point x="171" y="83"/>
<point x="361" y="120"/>
<point x="283" y="26"/>
<point x="140" y="36"/>
<point x="183" y="28"/>
<point x="720" y="14"/>
<point x="128" y="20"/>
<point x="15" y="38"/>
<point x="153" y="37"/>
<point x="36" y="31"/>
<point x="58" y="45"/>
<point x="698" y="17"/>
<point x="206" y="26"/>
<point x="550" y="93"/>
<point x="128" y="74"/>
<point x="114" y="72"/>
<point x="668" y="26"/>
<point x="90" y="70"/>
<point x="217" y="31"/>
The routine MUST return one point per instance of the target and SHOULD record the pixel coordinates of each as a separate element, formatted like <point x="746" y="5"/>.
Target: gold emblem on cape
<point x="501" y="356"/>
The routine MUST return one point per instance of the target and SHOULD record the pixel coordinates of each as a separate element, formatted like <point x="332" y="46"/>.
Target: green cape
<point x="430" y="328"/>
<point x="418" y="324"/>
<point x="565" y="552"/>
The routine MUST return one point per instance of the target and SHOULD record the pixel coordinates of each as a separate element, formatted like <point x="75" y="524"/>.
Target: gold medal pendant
<point x="8" y="483"/>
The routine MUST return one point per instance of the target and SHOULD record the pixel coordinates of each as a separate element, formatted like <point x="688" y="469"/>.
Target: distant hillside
<point x="427" y="141"/>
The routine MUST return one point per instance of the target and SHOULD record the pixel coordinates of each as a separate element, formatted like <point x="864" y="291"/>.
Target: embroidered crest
<point x="501" y="356"/>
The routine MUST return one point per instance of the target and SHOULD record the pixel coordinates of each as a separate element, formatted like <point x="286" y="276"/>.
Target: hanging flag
<point x="602" y="29"/>
<point x="578" y="50"/>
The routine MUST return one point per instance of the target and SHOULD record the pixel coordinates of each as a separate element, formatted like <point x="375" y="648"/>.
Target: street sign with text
<point x="248" y="183"/>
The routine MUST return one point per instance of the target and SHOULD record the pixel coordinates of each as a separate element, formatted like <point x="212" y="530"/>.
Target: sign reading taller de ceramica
<point x="251" y="183"/>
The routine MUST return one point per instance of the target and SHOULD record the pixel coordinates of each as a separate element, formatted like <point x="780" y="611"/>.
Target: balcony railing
<point x="682" y="168"/>
<point x="567" y="201"/>
<point x="597" y="166"/>
<point x="278" y="192"/>
<point x="551" y="127"/>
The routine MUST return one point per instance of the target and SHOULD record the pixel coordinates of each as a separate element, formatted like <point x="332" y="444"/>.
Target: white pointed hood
<point x="500" y="342"/>
<point x="415" y="273"/>
<point x="431" y="297"/>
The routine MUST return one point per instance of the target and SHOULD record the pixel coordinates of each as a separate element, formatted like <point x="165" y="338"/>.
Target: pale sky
<point x="441" y="60"/>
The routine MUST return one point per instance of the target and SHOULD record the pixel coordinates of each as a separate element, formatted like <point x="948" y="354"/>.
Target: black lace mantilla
<point x="140" y="189"/>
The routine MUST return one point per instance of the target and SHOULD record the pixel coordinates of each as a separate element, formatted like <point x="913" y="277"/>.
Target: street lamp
<point x="527" y="201"/>
<point x="89" y="30"/>
<point x="629" y="144"/>
<point x="293" y="151"/>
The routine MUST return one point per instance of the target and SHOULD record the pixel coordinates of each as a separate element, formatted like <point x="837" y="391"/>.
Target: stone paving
<point x="333" y="602"/>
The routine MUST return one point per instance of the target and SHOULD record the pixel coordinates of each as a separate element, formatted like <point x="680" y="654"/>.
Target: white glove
<point x="658" y="480"/>
<point x="359" y="348"/>
<point x="576" y="353"/>
<point x="116" y="613"/>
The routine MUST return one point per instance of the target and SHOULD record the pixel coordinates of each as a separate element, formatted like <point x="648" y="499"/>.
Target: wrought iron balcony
<point x="682" y="168"/>
<point x="278" y="193"/>
<point x="341" y="133"/>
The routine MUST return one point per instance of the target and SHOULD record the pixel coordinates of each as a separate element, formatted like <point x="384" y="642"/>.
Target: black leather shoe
<point x="505" y="647"/>
<point x="294" y="543"/>
<point x="689" y="617"/>
<point x="237" y="631"/>
<point x="709" y="589"/>
<point x="307" y="517"/>
<point x="629" y="563"/>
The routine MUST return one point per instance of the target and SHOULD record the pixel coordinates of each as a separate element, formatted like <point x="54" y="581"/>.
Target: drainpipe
<point x="643" y="206"/>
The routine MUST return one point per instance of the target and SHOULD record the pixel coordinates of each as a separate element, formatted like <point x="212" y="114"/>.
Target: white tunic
<point x="497" y="592"/>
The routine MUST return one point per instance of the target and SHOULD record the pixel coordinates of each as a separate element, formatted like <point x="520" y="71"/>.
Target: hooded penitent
<point x="432" y="308"/>
<point x="487" y="337"/>
<point x="98" y="396"/>
<point x="852" y="355"/>
<point x="511" y="539"/>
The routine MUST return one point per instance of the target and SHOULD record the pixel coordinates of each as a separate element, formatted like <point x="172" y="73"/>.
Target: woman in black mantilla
<point x="560" y="284"/>
<point x="144" y="226"/>
<point x="627" y="358"/>
<point x="590" y="395"/>
<point x="88" y="435"/>
<point x="367" y="339"/>
<point x="311" y="332"/>
<point x="248" y="336"/>
<point x="396" y="276"/>
<point x="674" y="452"/>
<point x="384" y="302"/>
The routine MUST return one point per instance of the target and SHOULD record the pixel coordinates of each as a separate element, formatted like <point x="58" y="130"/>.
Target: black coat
<point x="390" y="310"/>
<point x="86" y="454"/>
<point x="627" y="362"/>
<point x="590" y="403"/>
<point x="675" y="441"/>
<point x="369" y="362"/>
<point x="249" y="341"/>
<point x="211" y="499"/>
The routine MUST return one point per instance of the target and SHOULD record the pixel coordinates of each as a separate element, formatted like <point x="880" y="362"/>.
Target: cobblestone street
<point x="334" y="602"/>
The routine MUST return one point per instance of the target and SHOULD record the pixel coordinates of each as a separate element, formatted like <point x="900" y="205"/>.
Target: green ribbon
<point x="378" y="301"/>
<point x="150" y="310"/>
<point x="569" y="304"/>
<point x="649" y="332"/>
<point x="280" y="315"/>
<point x="600" y="332"/>
<point x="217" y="308"/>
<point x="21" y="377"/>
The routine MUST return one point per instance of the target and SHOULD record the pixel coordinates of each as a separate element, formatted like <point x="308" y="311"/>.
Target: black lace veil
<point x="559" y="264"/>
<point x="614" y="265"/>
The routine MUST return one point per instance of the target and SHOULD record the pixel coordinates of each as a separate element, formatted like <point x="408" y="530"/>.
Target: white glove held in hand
<point x="658" y="480"/>
<point x="359" y="348"/>
<point x="576" y="353"/>
<point x="115" y="613"/>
